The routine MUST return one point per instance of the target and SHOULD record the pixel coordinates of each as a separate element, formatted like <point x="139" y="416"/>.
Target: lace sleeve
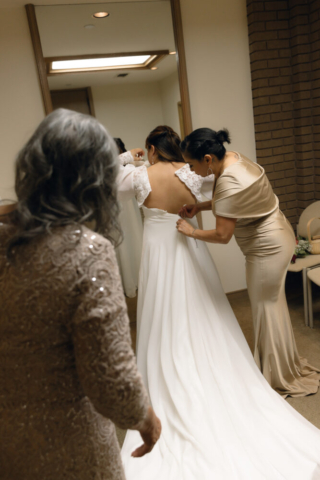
<point x="125" y="158"/>
<point x="133" y="182"/>
<point x="125" y="182"/>
<point x="191" y="180"/>
<point x="141" y="184"/>
<point x="105" y="361"/>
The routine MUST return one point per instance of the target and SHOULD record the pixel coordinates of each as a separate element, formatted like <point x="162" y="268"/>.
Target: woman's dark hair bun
<point x="223" y="136"/>
<point x="205" y="141"/>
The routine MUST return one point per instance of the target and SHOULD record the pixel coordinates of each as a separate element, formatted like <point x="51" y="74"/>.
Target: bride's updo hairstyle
<point x="205" y="141"/>
<point x="66" y="174"/>
<point x="166" y="143"/>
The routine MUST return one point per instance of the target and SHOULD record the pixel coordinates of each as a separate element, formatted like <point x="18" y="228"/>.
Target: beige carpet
<point x="308" y="340"/>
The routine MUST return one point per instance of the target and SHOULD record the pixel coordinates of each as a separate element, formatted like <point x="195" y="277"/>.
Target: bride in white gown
<point x="220" y="418"/>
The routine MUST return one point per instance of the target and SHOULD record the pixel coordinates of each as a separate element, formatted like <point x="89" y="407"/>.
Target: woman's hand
<point x="150" y="430"/>
<point x="189" y="211"/>
<point x="137" y="153"/>
<point x="184" y="227"/>
<point x="138" y="163"/>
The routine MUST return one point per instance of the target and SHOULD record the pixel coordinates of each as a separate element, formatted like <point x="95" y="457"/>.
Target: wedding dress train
<point x="221" y="420"/>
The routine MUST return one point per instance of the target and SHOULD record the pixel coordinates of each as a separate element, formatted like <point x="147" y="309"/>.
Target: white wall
<point x="170" y="96"/>
<point x="216" y="43"/>
<point x="218" y="66"/>
<point x="20" y="96"/>
<point x="130" y="111"/>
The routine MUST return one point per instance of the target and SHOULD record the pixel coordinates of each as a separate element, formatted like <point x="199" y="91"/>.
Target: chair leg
<point x="310" y="308"/>
<point x="305" y="296"/>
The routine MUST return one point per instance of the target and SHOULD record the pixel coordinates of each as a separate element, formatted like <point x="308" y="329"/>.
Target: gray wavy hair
<point x="66" y="174"/>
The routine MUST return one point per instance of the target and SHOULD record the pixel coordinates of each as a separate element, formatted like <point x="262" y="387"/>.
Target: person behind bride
<point x="245" y="205"/>
<point x="67" y="369"/>
<point x="220" y="418"/>
<point x="129" y="251"/>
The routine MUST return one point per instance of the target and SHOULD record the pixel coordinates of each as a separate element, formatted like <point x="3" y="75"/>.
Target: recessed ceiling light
<point x="101" y="14"/>
<point x="172" y="53"/>
<point x="88" y="27"/>
<point x="98" y="62"/>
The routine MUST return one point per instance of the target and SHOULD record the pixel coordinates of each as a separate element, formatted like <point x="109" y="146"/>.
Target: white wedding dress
<point x="220" y="418"/>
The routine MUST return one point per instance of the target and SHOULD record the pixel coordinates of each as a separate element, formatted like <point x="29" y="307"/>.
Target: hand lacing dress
<point x="221" y="419"/>
<point x="67" y="369"/>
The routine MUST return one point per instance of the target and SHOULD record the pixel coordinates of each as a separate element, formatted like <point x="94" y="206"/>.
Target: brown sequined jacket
<point x="67" y="369"/>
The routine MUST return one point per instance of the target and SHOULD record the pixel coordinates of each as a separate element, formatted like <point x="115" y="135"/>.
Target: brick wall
<point x="314" y="17"/>
<point x="285" y="69"/>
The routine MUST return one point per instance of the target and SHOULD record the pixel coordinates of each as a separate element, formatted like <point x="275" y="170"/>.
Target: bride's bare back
<point x="168" y="192"/>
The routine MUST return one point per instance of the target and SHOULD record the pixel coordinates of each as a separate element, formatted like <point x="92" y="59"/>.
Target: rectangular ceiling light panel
<point x="87" y="64"/>
<point x="99" y="63"/>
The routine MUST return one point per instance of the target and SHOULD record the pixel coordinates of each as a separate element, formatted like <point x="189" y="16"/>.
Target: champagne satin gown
<point x="267" y="240"/>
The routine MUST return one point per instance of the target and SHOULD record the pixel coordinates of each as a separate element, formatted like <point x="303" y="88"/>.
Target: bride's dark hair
<point x="204" y="141"/>
<point x="166" y="143"/>
<point x="66" y="174"/>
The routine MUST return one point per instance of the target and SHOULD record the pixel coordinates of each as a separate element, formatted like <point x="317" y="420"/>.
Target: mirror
<point x="128" y="95"/>
<point x="124" y="63"/>
<point x="131" y="101"/>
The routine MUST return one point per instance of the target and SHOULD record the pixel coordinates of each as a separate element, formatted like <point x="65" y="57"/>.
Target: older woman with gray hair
<point x="67" y="369"/>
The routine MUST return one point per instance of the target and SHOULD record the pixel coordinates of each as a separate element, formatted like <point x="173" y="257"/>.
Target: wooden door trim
<point x="182" y="65"/>
<point x="90" y="101"/>
<point x="41" y="66"/>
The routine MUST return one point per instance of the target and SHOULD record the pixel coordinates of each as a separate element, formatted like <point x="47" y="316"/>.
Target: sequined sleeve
<point x="105" y="360"/>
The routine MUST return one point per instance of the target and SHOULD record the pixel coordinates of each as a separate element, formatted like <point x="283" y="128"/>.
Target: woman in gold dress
<point x="244" y="205"/>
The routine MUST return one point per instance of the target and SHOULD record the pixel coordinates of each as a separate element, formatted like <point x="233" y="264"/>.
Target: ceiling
<point x="131" y="27"/>
<point x="21" y="3"/>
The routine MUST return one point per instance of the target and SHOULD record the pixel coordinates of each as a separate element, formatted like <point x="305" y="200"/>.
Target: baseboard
<point x="237" y="291"/>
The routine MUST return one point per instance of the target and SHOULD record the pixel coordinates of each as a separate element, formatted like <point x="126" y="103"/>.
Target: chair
<point x="303" y="264"/>
<point x="313" y="275"/>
